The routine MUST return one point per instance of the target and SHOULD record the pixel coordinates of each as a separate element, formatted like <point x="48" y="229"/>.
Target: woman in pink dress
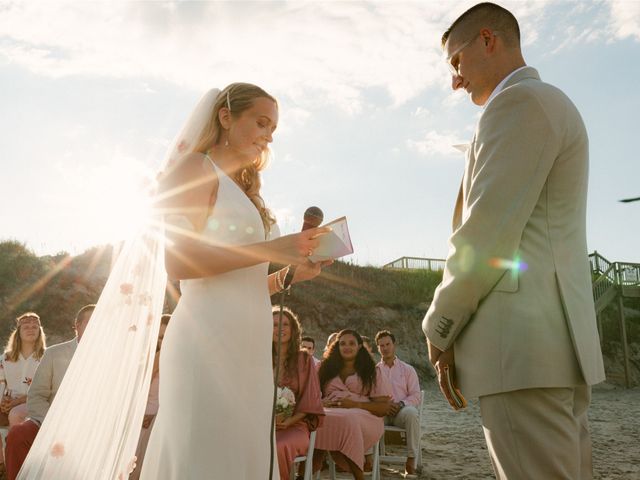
<point x="296" y="371"/>
<point x="356" y="397"/>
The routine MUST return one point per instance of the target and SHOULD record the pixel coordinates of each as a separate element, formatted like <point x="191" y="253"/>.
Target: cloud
<point x="315" y="53"/>
<point x="578" y="23"/>
<point x="625" y="18"/>
<point x="436" y="143"/>
<point x="291" y="118"/>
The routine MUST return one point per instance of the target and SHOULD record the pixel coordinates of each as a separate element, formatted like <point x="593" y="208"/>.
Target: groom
<point x="515" y="302"/>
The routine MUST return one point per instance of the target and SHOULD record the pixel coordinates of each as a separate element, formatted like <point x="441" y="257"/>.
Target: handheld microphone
<point x="313" y="217"/>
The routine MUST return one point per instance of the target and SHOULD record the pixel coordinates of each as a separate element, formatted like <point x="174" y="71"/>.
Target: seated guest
<point x="18" y="364"/>
<point x="308" y="344"/>
<point x="43" y="389"/>
<point x="296" y="371"/>
<point x="404" y="411"/>
<point x="152" y="402"/>
<point x="357" y="398"/>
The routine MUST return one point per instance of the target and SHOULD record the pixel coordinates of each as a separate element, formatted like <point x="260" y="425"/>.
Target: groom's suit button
<point x="444" y="327"/>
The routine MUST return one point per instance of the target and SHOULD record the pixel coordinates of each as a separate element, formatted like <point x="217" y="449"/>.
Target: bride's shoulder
<point x="194" y="161"/>
<point x="189" y="166"/>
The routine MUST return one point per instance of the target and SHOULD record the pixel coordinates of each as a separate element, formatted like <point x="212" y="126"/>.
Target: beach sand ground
<point x="453" y="444"/>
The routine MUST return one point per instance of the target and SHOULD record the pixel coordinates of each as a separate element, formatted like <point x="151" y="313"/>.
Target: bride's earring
<point x="226" y="142"/>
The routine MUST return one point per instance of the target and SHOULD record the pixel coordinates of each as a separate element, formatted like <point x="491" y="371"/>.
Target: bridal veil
<point x="91" y="430"/>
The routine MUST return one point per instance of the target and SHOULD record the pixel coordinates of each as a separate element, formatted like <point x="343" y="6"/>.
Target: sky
<point x="92" y="93"/>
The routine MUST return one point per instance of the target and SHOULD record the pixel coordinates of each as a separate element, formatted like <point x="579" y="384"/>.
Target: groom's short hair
<point x="487" y="15"/>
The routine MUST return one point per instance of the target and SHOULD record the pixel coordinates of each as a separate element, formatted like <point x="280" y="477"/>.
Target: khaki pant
<point x="539" y="433"/>
<point x="409" y="419"/>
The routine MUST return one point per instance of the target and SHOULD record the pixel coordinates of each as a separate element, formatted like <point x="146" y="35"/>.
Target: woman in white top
<point x="18" y="364"/>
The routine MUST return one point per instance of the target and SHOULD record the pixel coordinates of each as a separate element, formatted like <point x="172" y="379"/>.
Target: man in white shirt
<point x="406" y="396"/>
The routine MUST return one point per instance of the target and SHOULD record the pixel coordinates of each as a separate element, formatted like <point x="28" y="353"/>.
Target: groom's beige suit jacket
<point x="522" y="203"/>
<point x="48" y="377"/>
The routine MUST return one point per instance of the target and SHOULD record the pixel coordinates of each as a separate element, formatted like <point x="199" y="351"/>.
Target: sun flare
<point x="113" y="201"/>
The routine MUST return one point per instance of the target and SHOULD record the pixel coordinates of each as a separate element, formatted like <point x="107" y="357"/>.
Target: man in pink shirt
<point x="406" y="396"/>
<point x="309" y="345"/>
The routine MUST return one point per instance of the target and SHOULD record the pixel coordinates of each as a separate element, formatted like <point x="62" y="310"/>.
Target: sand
<point x="453" y="444"/>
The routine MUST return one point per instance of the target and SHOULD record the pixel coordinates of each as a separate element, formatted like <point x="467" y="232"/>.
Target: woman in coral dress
<point x="356" y="397"/>
<point x="296" y="371"/>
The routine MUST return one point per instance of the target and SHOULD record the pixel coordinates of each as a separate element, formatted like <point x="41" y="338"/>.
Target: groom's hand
<point x="434" y="353"/>
<point x="440" y="360"/>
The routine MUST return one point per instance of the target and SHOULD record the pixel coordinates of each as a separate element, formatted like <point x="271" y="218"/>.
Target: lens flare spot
<point x="213" y="224"/>
<point x="232" y="228"/>
<point x="249" y="230"/>
<point x="515" y="265"/>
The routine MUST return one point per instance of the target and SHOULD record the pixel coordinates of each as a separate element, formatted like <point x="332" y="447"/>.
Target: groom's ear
<point x="224" y="116"/>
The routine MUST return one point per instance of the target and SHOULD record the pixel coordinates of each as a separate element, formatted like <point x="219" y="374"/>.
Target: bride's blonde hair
<point x="239" y="97"/>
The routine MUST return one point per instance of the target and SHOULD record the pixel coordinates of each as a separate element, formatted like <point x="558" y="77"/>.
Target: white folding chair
<point x="375" y="474"/>
<point x="4" y="431"/>
<point x="384" y="458"/>
<point x="308" y="468"/>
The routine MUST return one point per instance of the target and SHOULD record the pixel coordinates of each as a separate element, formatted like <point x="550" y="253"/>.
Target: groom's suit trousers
<point x="538" y="433"/>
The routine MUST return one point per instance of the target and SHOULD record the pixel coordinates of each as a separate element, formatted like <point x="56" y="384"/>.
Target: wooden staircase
<point x="613" y="279"/>
<point x="613" y="282"/>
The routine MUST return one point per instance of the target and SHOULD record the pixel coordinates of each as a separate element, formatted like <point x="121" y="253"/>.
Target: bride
<point x="216" y="385"/>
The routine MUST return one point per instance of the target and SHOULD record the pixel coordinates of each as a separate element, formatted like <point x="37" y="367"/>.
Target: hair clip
<point x="228" y="101"/>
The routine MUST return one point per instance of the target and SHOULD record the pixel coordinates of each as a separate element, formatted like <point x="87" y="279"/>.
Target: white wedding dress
<point x="216" y="381"/>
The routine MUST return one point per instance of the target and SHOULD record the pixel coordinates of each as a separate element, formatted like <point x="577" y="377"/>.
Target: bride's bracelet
<point x="279" y="279"/>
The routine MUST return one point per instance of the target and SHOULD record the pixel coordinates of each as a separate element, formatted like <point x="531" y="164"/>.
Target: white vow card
<point x="335" y="244"/>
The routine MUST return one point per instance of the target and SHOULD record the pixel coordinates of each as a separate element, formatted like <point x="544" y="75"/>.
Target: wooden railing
<point x="599" y="264"/>
<point x="605" y="273"/>
<point x="607" y="276"/>
<point x="418" y="263"/>
<point x="613" y="282"/>
<point x="611" y="279"/>
<point x="604" y="282"/>
<point x="629" y="273"/>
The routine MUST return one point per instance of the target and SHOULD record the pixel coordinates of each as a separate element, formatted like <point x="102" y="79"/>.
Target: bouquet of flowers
<point x="285" y="402"/>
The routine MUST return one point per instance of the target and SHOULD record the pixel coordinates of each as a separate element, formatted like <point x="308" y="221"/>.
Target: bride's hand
<point x="295" y="248"/>
<point x="309" y="270"/>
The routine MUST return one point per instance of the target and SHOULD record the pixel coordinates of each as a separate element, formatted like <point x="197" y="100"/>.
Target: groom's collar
<point x="514" y="77"/>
